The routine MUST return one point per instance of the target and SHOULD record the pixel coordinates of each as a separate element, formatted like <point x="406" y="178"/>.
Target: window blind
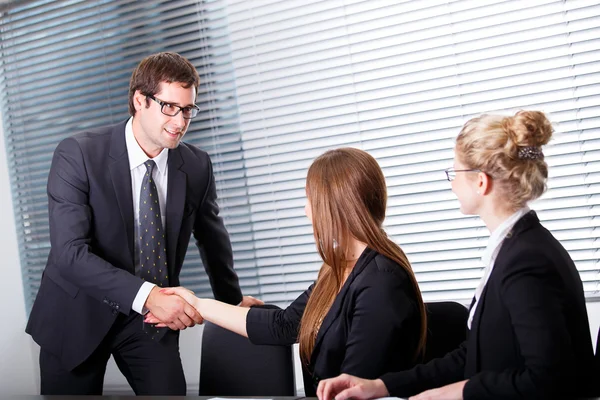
<point x="398" y="79"/>
<point x="283" y="81"/>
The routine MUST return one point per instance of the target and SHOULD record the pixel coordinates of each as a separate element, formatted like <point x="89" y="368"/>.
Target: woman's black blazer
<point x="530" y="336"/>
<point x="371" y="328"/>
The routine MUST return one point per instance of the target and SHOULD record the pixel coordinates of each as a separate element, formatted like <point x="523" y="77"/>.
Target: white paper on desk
<point x="235" y="398"/>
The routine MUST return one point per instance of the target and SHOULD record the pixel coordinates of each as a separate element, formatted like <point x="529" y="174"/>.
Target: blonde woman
<point x="364" y="315"/>
<point x="529" y="332"/>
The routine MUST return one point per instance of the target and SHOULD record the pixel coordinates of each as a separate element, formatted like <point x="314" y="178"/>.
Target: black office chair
<point x="446" y="328"/>
<point x="230" y="365"/>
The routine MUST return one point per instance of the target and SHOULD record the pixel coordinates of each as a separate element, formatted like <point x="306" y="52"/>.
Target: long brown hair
<point x="347" y="193"/>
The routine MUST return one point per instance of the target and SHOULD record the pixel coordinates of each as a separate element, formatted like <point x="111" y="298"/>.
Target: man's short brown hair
<point x="161" y="67"/>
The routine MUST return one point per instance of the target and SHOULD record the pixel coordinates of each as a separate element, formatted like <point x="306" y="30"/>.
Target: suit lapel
<point x="336" y="307"/>
<point x="472" y="362"/>
<point x="176" y="193"/>
<point x="472" y="303"/>
<point x="121" y="179"/>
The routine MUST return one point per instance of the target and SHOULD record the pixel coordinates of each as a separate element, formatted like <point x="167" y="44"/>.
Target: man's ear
<point x="139" y="100"/>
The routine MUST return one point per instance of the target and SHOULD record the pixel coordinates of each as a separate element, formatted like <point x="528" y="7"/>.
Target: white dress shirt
<point x="491" y="252"/>
<point x="137" y="158"/>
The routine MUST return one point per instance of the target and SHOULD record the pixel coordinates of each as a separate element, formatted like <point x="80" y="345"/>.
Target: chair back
<point x="230" y="365"/>
<point x="446" y="328"/>
<point x="309" y="388"/>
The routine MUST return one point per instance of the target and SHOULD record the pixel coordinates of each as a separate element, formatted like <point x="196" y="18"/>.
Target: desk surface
<point x="33" y="397"/>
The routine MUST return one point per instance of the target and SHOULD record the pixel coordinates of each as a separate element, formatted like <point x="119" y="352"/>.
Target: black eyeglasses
<point x="172" y="110"/>
<point x="451" y="172"/>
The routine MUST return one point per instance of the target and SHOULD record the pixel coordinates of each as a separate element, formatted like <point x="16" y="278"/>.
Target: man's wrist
<point x="140" y="301"/>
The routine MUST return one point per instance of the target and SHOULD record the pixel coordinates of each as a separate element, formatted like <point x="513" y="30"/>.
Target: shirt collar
<point x="137" y="156"/>
<point x="500" y="233"/>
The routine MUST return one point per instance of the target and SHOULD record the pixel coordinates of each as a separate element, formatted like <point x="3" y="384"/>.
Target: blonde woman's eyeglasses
<point x="451" y="172"/>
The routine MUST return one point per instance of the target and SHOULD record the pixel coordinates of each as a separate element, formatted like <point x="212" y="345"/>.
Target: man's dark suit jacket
<point x="89" y="277"/>
<point x="530" y="336"/>
<point x="372" y="326"/>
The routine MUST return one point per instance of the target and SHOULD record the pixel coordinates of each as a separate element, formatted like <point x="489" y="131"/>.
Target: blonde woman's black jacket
<point x="530" y="336"/>
<point x="371" y="328"/>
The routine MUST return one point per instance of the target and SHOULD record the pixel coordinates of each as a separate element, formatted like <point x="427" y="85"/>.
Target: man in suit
<point x="110" y="192"/>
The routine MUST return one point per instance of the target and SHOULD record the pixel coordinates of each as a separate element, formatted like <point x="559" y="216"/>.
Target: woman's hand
<point x="184" y="293"/>
<point x="347" y="386"/>
<point x="454" y="391"/>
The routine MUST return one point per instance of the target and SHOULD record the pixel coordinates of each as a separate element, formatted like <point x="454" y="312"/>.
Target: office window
<point x="398" y="79"/>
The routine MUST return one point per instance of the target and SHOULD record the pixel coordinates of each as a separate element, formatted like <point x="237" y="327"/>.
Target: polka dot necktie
<point x="153" y="246"/>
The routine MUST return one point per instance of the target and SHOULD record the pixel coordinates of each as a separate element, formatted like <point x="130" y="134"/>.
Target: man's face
<point x="155" y="131"/>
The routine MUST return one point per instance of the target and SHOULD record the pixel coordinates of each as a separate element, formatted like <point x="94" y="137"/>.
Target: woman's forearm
<point x="225" y="315"/>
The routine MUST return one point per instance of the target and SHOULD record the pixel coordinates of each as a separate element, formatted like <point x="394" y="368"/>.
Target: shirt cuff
<point x="141" y="297"/>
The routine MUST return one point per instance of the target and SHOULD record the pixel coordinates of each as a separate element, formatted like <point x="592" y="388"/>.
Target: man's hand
<point x="347" y="386"/>
<point x="249" y="301"/>
<point x="454" y="391"/>
<point x="172" y="311"/>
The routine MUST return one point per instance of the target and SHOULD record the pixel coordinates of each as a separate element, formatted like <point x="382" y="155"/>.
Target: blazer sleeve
<point x="436" y="373"/>
<point x="385" y="313"/>
<point x="277" y="326"/>
<point x="532" y="292"/>
<point x="70" y="217"/>
<point x="212" y="240"/>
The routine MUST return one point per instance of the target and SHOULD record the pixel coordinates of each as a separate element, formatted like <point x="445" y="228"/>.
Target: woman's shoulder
<point x="534" y="252"/>
<point x="383" y="278"/>
<point x="537" y="242"/>
<point x="384" y="267"/>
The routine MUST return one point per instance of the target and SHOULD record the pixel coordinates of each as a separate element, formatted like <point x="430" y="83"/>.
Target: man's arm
<point x="213" y="242"/>
<point x="70" y="217"/>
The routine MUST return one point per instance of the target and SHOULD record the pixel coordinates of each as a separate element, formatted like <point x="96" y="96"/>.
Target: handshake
<point x="178" y="308"/>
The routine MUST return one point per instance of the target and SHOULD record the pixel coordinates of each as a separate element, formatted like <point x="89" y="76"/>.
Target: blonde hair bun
<point x="528" y="128"/>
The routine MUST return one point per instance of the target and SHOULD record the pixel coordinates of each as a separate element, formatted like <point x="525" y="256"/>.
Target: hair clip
<point x="530" y="153"/>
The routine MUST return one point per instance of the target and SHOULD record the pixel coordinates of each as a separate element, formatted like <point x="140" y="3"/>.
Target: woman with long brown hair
<point x="364" y="315"/>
